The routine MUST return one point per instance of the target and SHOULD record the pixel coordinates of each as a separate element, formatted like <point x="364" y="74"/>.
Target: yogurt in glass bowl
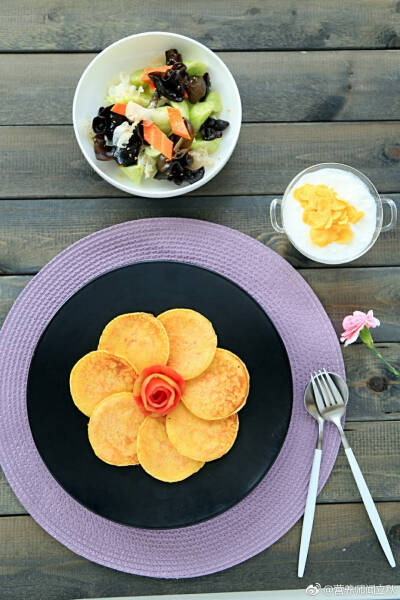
<point x="332" y="213"/>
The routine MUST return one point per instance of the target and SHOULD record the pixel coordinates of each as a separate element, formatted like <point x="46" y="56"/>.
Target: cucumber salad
<point x="160" y="122"/>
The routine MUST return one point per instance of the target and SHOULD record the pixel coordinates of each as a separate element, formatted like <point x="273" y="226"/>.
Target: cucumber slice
<point x="202" y="110"/>
<point x="210" y="146"/>
<point x="195" y="67"/>
<point x="183" y="106"/>
<point x="134" y="172"/>
<point x="199" y="113"/>
<point x="214" y="100"/>
<point x="161" y="119"/>
<point x="142" y="99"/>
<point x="152" y="152"/>
<point x="136" y="78"/>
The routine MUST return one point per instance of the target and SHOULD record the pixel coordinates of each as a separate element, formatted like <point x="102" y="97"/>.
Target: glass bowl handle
<point x="393" y="214"/>
<point x="273" y="214"/>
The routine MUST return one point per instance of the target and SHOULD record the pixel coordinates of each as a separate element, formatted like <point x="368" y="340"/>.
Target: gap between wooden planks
<point x="344" y="550"/>
<point x="340" y="291"/>
<point x="375" y="444"/>
<point x="47" y="226"/>
<point x="46" y="162"/>
<point x="237" y="25"/>
<point x="295" y="86"/>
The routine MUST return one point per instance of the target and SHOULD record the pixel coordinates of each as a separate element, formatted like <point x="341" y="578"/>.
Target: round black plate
<point x="127" y="494"/>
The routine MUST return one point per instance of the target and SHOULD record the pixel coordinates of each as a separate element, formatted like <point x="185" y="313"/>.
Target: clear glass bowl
<point x="278" y="203"/>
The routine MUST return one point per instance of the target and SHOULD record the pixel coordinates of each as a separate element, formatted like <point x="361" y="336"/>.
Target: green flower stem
<point x="366" y="337"/>
<point x="389" y="366"/>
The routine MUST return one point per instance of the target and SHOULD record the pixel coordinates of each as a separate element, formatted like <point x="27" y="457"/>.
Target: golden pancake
<point x="200" y="439"/>
<point x="192" y="341"/>
<point x="113" y="429"/>
<point x="221" y="390"/>
<point x="98" y="375"/>
<point x="158" y="456"/>
<point x="138" y="337"/>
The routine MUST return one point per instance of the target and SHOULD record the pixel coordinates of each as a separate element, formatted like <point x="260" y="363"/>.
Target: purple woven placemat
<point x="275" y="504"/>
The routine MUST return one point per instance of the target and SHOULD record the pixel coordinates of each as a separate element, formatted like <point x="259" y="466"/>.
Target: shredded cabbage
<point x="136" y="113"/>
<point x="123" y="91"/>
<point x="148" y="162"/>
<point x="122" y="134"/>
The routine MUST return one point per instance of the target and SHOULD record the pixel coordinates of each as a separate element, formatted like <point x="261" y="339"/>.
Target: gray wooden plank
<point x="376" y="445"/>
<point x="86" y="26"/>
<point x="341" y="291"/>
<point x="295" y="86"/>
<point x="46" y="161"/>
<point x="374" y="391"/>
<point x="9" y="505"/>
<point x="344" y="550"/>
<point x="10" y="288"/>
<point x="48" y="226"/>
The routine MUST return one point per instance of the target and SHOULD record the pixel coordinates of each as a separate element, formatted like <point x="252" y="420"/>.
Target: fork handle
<point x="308" y="519"/>
<point x="370" y="506"/>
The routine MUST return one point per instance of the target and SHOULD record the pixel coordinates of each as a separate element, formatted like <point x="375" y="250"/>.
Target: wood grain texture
<point x="48" y="226"/>
<point x="341" y="291"/>
<point x="374" y="391"/>
<point x="10" y="288"/>
<point x="376" y="446"/>
<point x="46" y="161"/>
<point x="359" y="289"/>
<point x="344" y="550"/>
<point x="315" y="73"/>
<point x="9" y="505"/>
<point x="326" y="86"/>
<point x="81" y="25"/>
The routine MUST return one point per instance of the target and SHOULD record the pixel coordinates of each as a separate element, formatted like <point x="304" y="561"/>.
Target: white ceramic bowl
<point x="135" y="52"/>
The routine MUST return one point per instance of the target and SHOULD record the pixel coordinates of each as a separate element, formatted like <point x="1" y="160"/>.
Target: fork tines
<point x="327" y="394"/>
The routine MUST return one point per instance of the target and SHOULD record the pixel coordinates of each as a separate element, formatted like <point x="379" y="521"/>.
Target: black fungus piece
<point x="207" y="81"/>
<point x="164" y="165"/>
<point x="177" y="170"/>
<point x="196" y="89"/>
<point x="213" y="128"/>
<point x="182" y="145"/>
<point x="112" y="120"/>
<point x="139" y="132"/>
<point x="171" y="84"/>
<point x="102" y="152"/>
<point x="99" y="124"/>
<point x="128" y="155"/>
<point x="193" y="175"/>
<point x="173" y="56"/>
<point x="104" y="126"/>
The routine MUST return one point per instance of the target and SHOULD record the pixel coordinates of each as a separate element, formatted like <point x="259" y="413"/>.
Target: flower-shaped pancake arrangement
<point x="159" y="393"/>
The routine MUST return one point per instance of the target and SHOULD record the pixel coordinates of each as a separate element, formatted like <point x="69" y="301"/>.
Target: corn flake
<point x="328" y="216"/>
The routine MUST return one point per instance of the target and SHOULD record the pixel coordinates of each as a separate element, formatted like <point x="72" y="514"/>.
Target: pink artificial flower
<point x="352" y="325"/>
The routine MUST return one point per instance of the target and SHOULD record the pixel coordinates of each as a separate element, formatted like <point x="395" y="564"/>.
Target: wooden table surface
<point x="319" y="81"/>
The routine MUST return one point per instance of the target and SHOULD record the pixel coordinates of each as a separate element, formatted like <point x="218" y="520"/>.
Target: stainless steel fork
<point x="331" y="407"/>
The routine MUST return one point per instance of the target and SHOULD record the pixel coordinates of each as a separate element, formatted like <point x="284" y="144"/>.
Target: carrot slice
<point x="177" y="123"/>
<point x="157" y="139"/>
<point x="163" y="69"/>
<point x="119" y="108"/>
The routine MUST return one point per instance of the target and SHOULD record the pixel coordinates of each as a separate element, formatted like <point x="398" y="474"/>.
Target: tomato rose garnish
<point x="158" y="390"/>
